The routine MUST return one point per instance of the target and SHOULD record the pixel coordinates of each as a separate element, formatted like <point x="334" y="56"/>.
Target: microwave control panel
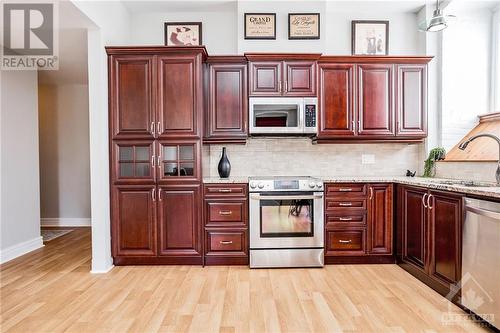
<point x="310" y="115"/>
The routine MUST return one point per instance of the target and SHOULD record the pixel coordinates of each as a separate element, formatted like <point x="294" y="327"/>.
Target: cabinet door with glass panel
<point x="134" y="162"/>
<point x="179" y="160"/>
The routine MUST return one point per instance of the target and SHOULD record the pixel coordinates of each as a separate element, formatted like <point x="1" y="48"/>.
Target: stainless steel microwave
<point x="283" y="116"/>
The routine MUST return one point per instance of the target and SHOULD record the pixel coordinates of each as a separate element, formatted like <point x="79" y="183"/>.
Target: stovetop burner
<point x="285" y="183"/>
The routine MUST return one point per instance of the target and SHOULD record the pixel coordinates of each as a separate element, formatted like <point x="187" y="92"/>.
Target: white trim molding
<point x="65" y="222"/>
<point x="20" y="249"/>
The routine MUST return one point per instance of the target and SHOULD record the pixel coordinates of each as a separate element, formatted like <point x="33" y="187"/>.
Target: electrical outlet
<point x="367" y="159"/>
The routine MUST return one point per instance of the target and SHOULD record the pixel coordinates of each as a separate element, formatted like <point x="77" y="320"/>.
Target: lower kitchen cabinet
<point x="226" y="224"/>
<point x="380" y="211"/>
<point x="134" y="220"/>
<point x="358" y="223"/>
<point x="429" y="240"/>
<point x="179" y="229"/>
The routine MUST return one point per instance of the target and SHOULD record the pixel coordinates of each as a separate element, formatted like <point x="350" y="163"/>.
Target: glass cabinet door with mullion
<point x="178" y="160"/>
<point x="134" y="161"/>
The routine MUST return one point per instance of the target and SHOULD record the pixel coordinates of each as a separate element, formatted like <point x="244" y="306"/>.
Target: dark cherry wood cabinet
<point x="227" y="113"/>
<point x="358" y="223"/>
<point x="282" y="74"/>
<point x="179" y="227"/>
<point x="132" y="96"/>
<point x="180" y="95"/>
<point x="299" y="78"/>
<point x="411" y="101"/>
<point x="336" y="100"/>
<point x="375" y="110"/>
<point x="226" y="224"/>
<point x="134" y="220"/>
<point x="381" y="99"/>
<point x="380" y="211"/>
<point x="429" y="243"/>
<point x="413" y="217"/>
<point x="156" y="113"/>
<point x="265" y="78"/>
<point x="445" y="237"/>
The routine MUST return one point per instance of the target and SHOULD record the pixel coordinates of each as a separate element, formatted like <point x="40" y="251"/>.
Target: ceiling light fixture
<point x="439" y="21"/>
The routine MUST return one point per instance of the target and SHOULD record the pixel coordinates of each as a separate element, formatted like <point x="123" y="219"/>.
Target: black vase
<point x="224" y="166"/>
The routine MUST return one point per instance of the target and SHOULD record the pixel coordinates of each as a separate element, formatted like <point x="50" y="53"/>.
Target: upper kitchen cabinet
<point x="131" y="89"/>
<point x="336" y="104"/>
<point x="379" y="98"/>
<point x="226" y="118"/>
<point x="375" y="100"/>
<point x="282" y="74"/>
<point x="411" y="101"/>
<point x="180" y="95"/>
<point x="156" y="91"/>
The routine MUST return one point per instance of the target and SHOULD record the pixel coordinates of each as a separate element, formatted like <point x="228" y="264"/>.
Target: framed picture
<point x="303" y="26"/>
<point x="370" y="37"/>
<point x="260" y="26"/>
<point x="182" y="33"/>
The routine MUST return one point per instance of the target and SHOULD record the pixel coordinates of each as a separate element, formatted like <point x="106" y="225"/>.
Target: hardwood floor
<point x="51" y="290"/>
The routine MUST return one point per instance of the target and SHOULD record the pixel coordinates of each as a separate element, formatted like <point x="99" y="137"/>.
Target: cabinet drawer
<point x="355" y="219"/>
<point x="226" y="241"/>
<point x="345" y="203"/>
<point x="225" y="190"/>
<point x="345" y="189"/>
<point x="225" y="211"/>
<point x="347" y="242"/>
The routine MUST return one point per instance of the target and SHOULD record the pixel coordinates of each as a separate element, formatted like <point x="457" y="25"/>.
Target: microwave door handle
<point x="301" y="116"/>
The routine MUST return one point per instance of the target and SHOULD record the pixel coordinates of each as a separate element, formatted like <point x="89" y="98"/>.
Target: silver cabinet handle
<point x="159" y="129"/>
<point x="224" y="190"/>
<point x="286" y="85"/>
<point x="159" y="194"/>
<point x="158" y="161"/>
<point x="345" y="204"/>
<point x="279" y="87"/>
<point x="371" y="192"/>
<point x="345" y="218"/>
<point x="429" y="201"/>
<point x="423" y="200"/>
<point x="225" y="212"/>
<point x="226" y="242"/>
<point x="153" y="194"/>
<point x="152" y="128"/>
<point x="345" y="241"/>
<point x="345" y="189"/>
<point x="153" y="161"/>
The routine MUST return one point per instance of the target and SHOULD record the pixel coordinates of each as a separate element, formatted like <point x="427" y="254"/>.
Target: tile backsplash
<point x="298" y="156"/>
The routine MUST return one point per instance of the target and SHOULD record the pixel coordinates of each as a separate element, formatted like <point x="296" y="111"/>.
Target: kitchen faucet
<point x="464" y="145"/>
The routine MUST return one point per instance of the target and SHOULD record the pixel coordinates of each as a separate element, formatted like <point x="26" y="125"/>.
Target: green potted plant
<point x="436" y="154"/>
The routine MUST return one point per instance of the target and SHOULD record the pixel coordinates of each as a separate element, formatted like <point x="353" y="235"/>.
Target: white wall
<point x="20" y="188"/>
<point x="218" y="29"/>
<point x="466" y="72"/>
<point x="64" y="154"/>
<point x="111" y="26"/>
<point x="223" y="30"/>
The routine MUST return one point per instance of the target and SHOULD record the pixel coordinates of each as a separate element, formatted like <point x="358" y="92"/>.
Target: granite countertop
<point x="452" y="185"/>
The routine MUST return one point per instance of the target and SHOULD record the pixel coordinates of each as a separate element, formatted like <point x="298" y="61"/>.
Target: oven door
<point x="276" y="115"/>
<point x="286" y="220"/>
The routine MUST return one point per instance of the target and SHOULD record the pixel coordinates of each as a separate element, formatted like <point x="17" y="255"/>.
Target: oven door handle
<point x="285" y="197"/>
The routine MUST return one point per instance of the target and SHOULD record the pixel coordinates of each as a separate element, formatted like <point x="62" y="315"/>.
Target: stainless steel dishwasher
<point x="481" y="259"/>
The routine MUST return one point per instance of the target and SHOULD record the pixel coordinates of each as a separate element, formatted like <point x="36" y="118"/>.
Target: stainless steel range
<point x="286" y="222"/>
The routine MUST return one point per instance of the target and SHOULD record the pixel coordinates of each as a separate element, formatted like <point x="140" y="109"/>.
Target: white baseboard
<point x="65" y="222"/>
<point x="102" y="271"/>
<point x="20" y="249"/>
